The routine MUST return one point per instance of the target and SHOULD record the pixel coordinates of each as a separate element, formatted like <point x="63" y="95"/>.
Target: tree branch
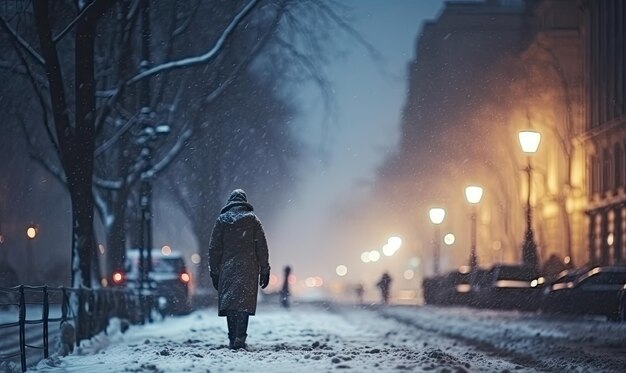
<point x="204" y="58"/>
<point x="23" y="43"/>
<point x="42" y="103"/>
<point x="260" y="44"/>
<point x="113" y="139"/>
<point x="174" y="151"/>
<point x="80" y="15"/>
<point x="39" y="158"/>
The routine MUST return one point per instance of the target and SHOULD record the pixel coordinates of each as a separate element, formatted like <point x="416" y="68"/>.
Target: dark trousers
<point x="237" y="324"/>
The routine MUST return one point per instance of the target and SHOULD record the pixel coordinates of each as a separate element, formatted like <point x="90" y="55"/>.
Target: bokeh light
<point x="341" y="270"/>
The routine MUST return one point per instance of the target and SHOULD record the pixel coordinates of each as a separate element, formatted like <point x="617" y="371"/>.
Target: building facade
<point x="604" y="138"/>
<point x="484" y="71"/>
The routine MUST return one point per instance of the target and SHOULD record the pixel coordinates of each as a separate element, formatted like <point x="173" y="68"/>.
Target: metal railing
<point x="88" y="310"/>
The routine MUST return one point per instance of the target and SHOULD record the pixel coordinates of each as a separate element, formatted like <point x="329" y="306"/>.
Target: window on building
<point x="618" y="154"/>
<point x="606" y="171"/>
<point x="594" y="179"/>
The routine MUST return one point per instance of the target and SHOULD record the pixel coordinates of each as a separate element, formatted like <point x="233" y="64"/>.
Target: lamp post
<point x="436" y="215"/>
<point x="529" y="141"/>
<point x="473" y="195"/>
<point x="31" y="234"/>
<point x="147" y="136"/>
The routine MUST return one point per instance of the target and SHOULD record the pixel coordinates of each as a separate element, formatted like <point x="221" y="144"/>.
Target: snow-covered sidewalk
<point x="314" y="338"/>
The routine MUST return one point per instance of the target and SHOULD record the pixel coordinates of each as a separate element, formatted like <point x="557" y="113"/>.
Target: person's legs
<point x="231" y="320"/>
<point x="242" y="329"/>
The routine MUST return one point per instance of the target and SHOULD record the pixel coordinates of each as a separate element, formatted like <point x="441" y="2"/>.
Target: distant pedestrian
<point x="284" y="292"/>
<point x="384" y="284"/>
<point x="239" y="263"/>
<point x="359" y="293"/>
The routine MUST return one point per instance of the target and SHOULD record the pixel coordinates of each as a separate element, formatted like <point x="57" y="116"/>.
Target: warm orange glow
<point x="184" y="277"/>
<point x="273" y="280"/>
<point x="529" y="141"/>
<point x="318" y="281"/>
<point x="449" y="239"/>
<point x="436" y="215"/>
<point x="473" y="194"/>
<point x="118" y="277"/>
<point x="292" y="279"/>
<point x="31" y="232"/>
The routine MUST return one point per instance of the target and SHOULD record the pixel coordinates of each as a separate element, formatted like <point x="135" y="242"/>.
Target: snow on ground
<point x="318" y="338"/>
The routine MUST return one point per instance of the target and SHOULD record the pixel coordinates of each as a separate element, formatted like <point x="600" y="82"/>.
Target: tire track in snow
<point x="548" y="350"/>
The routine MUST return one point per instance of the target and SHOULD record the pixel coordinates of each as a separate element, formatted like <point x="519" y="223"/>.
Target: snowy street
<point x="314" y="338"/>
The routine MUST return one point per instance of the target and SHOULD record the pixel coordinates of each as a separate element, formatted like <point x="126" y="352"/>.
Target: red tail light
<point x="185" y="277"/>
<point x="118" y="277"/>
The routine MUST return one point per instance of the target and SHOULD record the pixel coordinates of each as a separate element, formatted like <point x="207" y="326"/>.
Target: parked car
<point x="562" y="280"/>
<point x="455" y="288"/>
<point x="508" y="287"/>
<point x="594" y="292"/>
<point x="168" y="280"/>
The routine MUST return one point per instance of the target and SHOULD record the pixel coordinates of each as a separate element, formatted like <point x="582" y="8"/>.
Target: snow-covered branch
<point x="113" y="139"/>
<point x="174" y="151"/>
<point x="85" y="9"/>
<point x="102" y="207"/>
<point x="201" y="59"/>
<point x="107" y="184"/>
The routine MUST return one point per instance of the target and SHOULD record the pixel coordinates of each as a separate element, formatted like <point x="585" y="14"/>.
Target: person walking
<point x="284" y="292"/>
<point x="359" y="293"/>
<point x="239" y="263"/>
<point x="384" y="284"/>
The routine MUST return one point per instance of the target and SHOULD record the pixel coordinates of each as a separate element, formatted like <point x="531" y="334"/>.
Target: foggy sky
<point x="365" y="131"/>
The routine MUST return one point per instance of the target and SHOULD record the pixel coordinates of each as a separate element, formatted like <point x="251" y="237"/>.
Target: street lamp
<point x="31" y="234"/>
<point x="148" y="135"/>
<point x="473" y="195"/>
<point x="529" y="141"/>
<point x="436" y="215"/>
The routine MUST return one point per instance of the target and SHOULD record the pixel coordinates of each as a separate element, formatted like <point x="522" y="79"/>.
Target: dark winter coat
<point x="237" y="255"/>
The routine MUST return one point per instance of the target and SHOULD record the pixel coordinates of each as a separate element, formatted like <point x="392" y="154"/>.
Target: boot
<point x="240" y="342"/>
<point x="232" y="330"/>
<point x="242" y="328"/>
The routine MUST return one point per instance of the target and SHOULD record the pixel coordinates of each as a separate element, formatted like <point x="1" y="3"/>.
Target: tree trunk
<point x="116" y="231"/>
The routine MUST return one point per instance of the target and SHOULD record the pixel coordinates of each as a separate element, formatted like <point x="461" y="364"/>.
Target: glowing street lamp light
<point x="529" y="142"/>
<point x="436" y="214"/>
<point x="473" y="195"/>
<point x="449" y="239"/>
<point x="31" y="232"/>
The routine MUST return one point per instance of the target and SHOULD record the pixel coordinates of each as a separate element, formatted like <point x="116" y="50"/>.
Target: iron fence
<point x="87" y="310"/>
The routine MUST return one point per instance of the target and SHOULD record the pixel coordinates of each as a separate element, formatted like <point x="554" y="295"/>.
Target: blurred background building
<point x="484" y="71"/>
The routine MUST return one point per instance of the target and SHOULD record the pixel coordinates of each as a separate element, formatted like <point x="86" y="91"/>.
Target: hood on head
<point x="237" y="205"/>
<point x="237" y="195"/>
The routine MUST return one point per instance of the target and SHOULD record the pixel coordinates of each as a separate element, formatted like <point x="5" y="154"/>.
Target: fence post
<point x="80" y="314"/>
<point x="22" y="322"/>
<point x="64" y="304"/>
<point x="46" y="314"/>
